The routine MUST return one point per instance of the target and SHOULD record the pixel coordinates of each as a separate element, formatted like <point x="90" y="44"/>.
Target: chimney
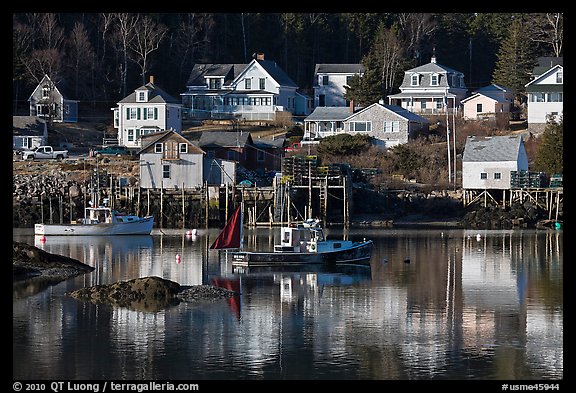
<point x="351" y="106"/>
<point x="260" y="56"/>
<point x="152" y="79"/>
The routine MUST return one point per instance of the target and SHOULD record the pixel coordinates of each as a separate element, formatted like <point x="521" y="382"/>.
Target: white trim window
<point x="248" y="84"/>
<point x="415" y="80"/>
<point x="133" y="113"/>
<point x="158" y="148"/>
<point x="361" y="126"/>
<point x="183" y="148"/>
<point x="559" y="77"/>
<point x="434" y="78"/>
<point x="46" y="89"/>
<point x="391" y="126"/>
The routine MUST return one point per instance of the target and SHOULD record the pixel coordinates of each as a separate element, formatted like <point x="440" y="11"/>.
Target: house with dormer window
<point x="50" y="101"/>
<point x="430" y="89"/>
<point x="147" y="110"/>
<point x="254" y="91"/>
<point x="170" y="161"/>
<point x="545" y="97"/>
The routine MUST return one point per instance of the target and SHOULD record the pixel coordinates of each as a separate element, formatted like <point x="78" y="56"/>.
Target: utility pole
<point x="448" y="139"/>
<point x="454" y="138"/>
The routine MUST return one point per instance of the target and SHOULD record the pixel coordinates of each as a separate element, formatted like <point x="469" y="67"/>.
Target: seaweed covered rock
<point x="147" y="293"/>
<point x="30" y="261"/>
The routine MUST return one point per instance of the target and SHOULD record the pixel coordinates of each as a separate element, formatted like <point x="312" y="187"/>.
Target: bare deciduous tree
<point x="147" y="38"/>
<point x="390" y="52"/>
<point x="415" y="28"/>
<point x="124" y="32"/>
<point x="549" y="29"/>
<point x="192" y="36"/>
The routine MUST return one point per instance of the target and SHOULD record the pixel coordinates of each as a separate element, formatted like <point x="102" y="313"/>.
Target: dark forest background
<point x="102" y="57"/>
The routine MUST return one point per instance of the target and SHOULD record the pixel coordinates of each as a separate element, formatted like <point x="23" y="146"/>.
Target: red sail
<point x="231" y="235"/>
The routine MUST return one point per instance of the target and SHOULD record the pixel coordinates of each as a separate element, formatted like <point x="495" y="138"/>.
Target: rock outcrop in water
<point x="29" y="262"/>
<point x="149" y="293"/>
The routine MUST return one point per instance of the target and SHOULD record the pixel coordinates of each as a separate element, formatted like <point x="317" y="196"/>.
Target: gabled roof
<point x="60" y="85"/>
<point x="493" y="96"/>
<point x="28" y="125"/>
<point x="492" y="148"/>
<point x="201" y="71"/>
<point x="433" y="68"/>
<point x="155" y="95"/>
<point x="398" y="110"/>
<point x="329" y="113"/>
<point x="493" y="88"/>
<point x="232" y="72"/>
<point x="339" y="69"/>
<point x="224" y="139"/>
<point x="544" y="75"/>
<point x="151" y="139"/>
<point x="544" y="63"/>
<point x="270" y="143"/>
<point x="276" y="72"/>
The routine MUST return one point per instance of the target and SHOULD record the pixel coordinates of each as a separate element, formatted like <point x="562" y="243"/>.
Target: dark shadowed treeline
<point x="103" y="56"/>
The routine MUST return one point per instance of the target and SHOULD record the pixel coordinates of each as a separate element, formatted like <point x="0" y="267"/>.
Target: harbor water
<point x="444" y="304"/>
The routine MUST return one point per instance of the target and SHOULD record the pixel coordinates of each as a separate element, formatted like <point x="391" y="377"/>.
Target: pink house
<point x="487" y="102"/>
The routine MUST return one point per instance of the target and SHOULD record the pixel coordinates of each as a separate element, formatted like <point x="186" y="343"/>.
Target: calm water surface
<point x="435" y="304"/>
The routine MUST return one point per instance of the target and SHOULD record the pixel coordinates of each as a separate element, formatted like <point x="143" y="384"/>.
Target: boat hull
<point x="141" y="227"/>
<point x="359" y="254"/>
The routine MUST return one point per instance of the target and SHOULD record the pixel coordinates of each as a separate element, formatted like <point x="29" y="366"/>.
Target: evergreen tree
<point x="550" y="154"/>
<point x="515" y="58"/>
<point x="366" y="89"/>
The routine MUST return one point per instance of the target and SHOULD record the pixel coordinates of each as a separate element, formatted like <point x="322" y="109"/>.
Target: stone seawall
<point x="54" y="198"/>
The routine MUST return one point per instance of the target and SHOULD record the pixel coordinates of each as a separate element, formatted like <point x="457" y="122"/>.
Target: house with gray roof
<point x="254" y="91"/>
<point x="389" y="125"/>
<point x="51" y="101"/>
<point x="329" y="82"/>
<point x="488" y="102"/>
<point x="170" y="161"/>
<point x="487" y="162"/>
<point x="430" y="89"/>
<point x="545" y="97"/>
<point x="147" y="110"/>
<point x="28" y="132"/>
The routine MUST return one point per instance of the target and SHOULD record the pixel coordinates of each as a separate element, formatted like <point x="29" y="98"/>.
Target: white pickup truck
<point x="44" y="152"/>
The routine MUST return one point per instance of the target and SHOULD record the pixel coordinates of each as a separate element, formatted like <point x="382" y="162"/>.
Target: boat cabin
<point x="105" y="215"/>
<point x="307" y="237"/>
<point x="97" y="215"/>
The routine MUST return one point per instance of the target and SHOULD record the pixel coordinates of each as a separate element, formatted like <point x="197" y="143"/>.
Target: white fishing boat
<point x="302" y="243"/>
<point x="100" y="221"/>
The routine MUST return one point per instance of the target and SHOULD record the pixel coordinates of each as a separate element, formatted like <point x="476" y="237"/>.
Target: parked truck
<point x="45" y="152"/>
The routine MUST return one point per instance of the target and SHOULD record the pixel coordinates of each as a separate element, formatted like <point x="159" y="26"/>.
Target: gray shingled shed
<point x="488" y="161"/>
